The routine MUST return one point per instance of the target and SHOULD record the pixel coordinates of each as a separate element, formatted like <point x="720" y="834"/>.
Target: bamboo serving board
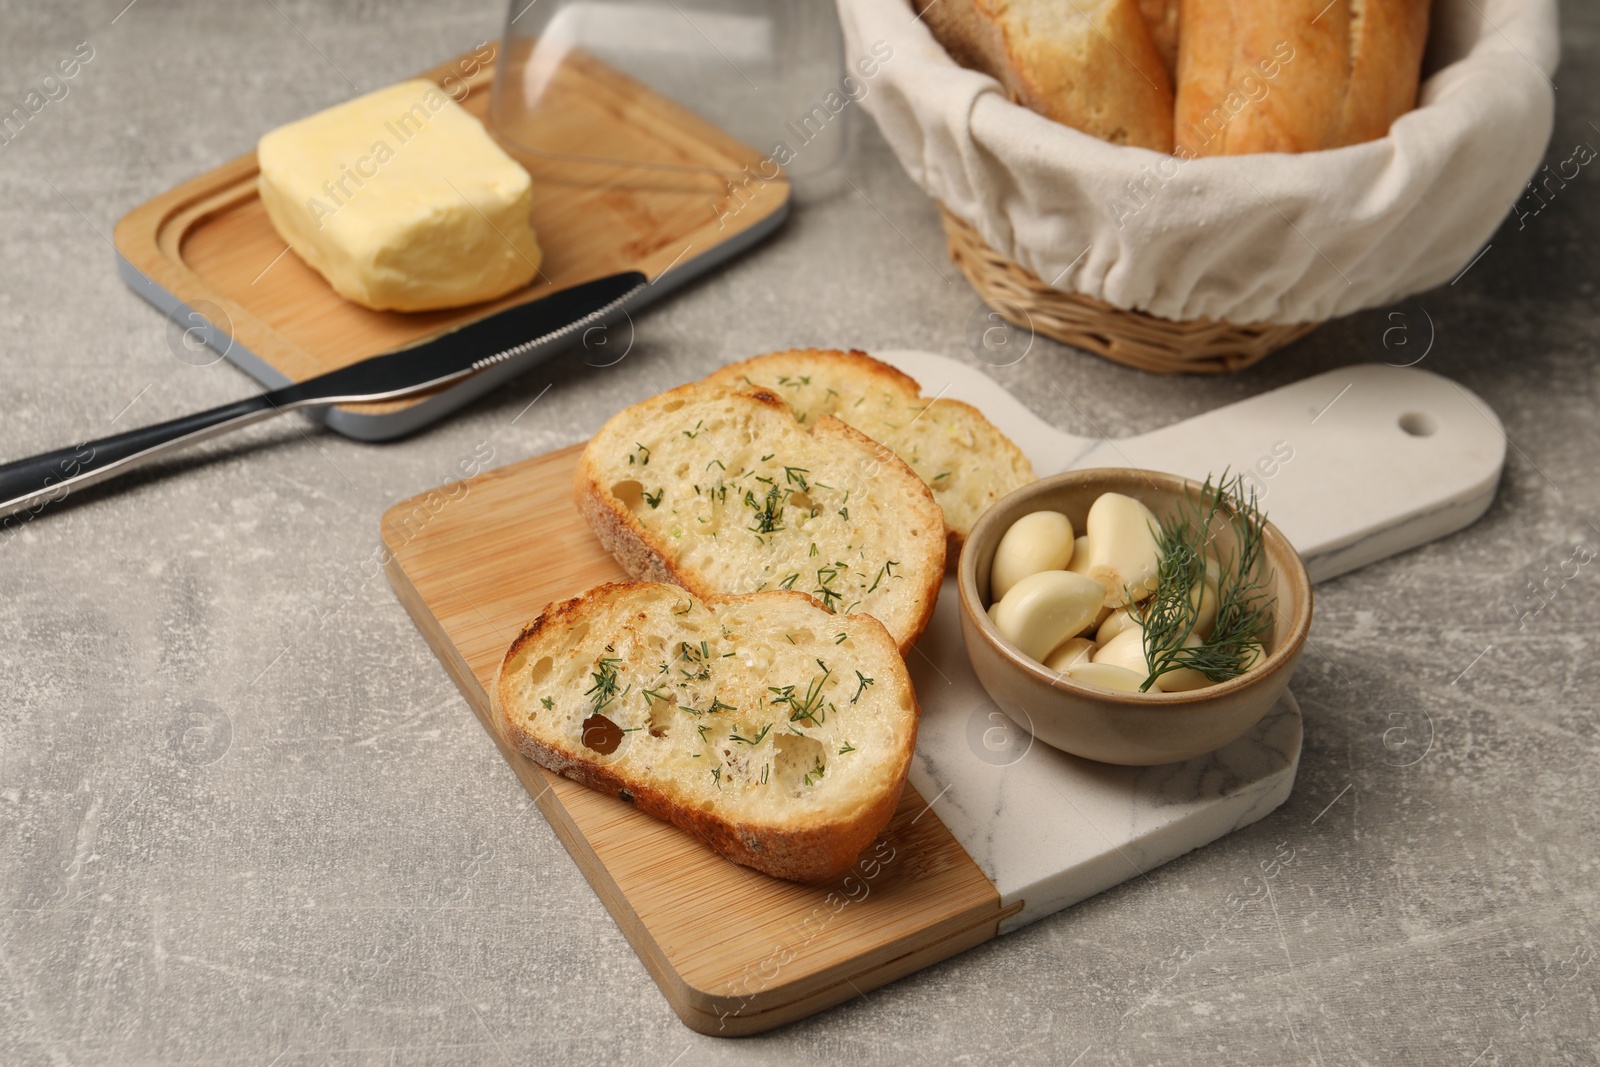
<point x="735" y="951"/>
<point x="986" y="839"/>
<point x="206" y="253"/>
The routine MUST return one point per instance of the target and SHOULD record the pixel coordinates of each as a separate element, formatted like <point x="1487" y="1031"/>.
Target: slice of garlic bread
<point x="721" y="491"/>
<point x="964" y="458"/>
<point x="776" y="732"/>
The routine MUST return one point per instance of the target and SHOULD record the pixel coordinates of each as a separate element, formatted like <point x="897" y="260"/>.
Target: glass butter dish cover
<point x="624" y="92"/>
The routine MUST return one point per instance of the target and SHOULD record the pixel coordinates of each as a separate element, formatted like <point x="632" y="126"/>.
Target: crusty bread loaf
<point x="1294" y="75"/>
<point x="722" y="490"/>
<point x="776" y="732"/>
<point x="964" y="458"/>
<point x="1089" y="64"/>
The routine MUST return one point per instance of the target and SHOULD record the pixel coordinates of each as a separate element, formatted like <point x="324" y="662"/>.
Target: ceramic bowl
<point x="1133" y="729"/>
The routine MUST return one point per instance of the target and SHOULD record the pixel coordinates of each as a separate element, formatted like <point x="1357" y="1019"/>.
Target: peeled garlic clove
<point x="1099" y="621"/>
<point x="992" y="608"/>
<point x="1080" y="555"/>
<point x="1183" y="679"/>
<point x="1044" y="609"/>
<point x="1123" y="553"/>
<point x="1118" y="621"/>
<point x="1039" y="541"/>
<point x="1203" y="595"/>
<point x="1126" y="650"/>
<point x="1253" y="656"/>
<point x="1073" y="650"/>
<point x="1105" y="676"/>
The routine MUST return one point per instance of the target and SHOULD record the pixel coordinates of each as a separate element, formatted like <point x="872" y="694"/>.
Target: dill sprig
<point x="886" y="571"/>
<point x="604" y="689"/>
<point x="816" y="772"/>
<point x="1244" y="610"/>
<point x="807" y="707"/>
<point x="698" y="660"/>
<point x="769" y="513"/>
<point x="756" y="740"/>
<point x="796" y="476"/>
<point x="831" y="598"/>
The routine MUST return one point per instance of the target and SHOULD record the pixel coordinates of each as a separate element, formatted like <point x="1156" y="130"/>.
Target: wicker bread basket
<point x="1206" y="265"/>
<point x="1145" y="342"/>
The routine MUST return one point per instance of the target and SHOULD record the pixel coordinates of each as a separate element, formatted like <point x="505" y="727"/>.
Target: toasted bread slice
<point x="964" y="458"/>
<point x="722" y="491"/>
<point x="776" y="732"/>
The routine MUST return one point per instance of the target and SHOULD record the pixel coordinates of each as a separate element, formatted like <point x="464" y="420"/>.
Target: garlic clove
<point x="1184" y="679"/>
<point x="1072" y="650"/>
<point x="1105" y="676"/>
<point x="1126" y="650"/>
<point x="1123" y="552"/>
<point x="1044" y="609"/>
<point x="1115" y="623"/>
<point x="1203" y="596"/>
<point x="1039" y="541"/>
<point x="1099" y="621"/>
<point x="1080" y="555"/>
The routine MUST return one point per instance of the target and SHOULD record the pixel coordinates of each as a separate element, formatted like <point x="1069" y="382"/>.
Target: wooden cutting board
<point x="206" y="253"/>
<point x="737" y="952"/>
<point x="734" y="951"/>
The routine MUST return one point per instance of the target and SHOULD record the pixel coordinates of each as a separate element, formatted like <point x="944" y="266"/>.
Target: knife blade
<point x="33" y="483"/>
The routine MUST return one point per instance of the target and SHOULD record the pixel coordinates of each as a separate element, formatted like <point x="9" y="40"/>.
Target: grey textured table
<point x="246" y="818"/>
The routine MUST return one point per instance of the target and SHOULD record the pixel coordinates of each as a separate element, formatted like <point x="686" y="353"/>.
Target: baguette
<point x="1294" y="75"/>
<point x="777" y="733"/>
<point x="1089" y="64"/>
<point x="722" y="490"/>
<point x="1387" y="43"/>
<point x="963" y="457"/>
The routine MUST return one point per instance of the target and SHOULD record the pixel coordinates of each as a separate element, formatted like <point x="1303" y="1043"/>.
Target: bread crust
<point x="853" y="361"/>
<point x="647" y="556"/>
<point x="1094" y="67"/>
<point x="642" y="554"/>
<point x="811" y="851"/>
<point x="1387" y="45"/>
<point x="1294" y="75"/>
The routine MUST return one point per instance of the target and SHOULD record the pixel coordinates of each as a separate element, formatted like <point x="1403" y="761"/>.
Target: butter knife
<point x="34" y="483"/>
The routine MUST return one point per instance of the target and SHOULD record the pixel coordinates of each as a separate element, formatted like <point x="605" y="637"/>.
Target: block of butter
<point x="401" y="200"/>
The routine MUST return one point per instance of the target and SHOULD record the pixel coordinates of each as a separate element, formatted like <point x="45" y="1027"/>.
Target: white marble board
<point x="1379" y="459"/>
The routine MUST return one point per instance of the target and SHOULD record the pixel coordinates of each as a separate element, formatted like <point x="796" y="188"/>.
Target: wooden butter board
<point x="207" y="255"/>
<point x="475" y="561"/>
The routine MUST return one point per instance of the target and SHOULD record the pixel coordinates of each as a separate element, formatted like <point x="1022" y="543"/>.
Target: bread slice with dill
<point x="776" y="732"/>
<point x="964" y="458"/>
<point x="721" y="490"/>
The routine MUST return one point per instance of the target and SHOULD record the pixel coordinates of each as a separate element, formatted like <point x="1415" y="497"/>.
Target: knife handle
<point x="34" y="483"/>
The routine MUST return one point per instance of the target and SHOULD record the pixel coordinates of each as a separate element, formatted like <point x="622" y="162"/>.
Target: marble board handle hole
<point x="1418" y="424"/>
